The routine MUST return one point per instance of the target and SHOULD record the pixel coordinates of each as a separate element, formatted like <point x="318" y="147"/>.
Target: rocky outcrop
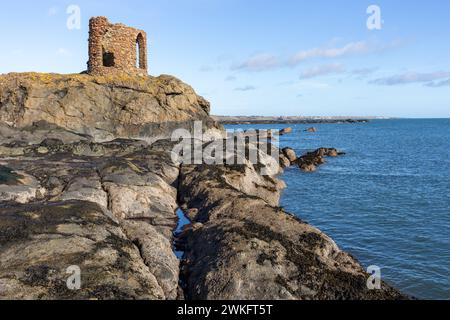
<point x="106" y="208"/>
<point x="311" y="160"/>
<point x="290" y="154"/>
<point x="103" y="107"/>
<point x="285" y="131"/>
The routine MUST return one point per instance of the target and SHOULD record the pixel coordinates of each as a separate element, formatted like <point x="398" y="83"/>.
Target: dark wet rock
<point x="9" y="177"/>
<point x="308" y="167"/>
<point x="311" y="160"/>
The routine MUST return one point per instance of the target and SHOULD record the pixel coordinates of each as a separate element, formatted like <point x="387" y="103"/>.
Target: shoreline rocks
<point x="88" y="185"/>
<point x="225" y="120"/>
<point x="309" y="161"/>
<point x="241" y="246"/>
<point x="109" y="209"/>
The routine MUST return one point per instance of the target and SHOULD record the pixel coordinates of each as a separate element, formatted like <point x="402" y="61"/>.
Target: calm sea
<point x="387" y="201"/>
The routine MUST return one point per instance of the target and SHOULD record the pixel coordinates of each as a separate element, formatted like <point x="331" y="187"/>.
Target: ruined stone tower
<point x="116" y="48"/>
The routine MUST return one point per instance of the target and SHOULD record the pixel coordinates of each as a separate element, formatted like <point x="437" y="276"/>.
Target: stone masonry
<point x="116" y="48"/>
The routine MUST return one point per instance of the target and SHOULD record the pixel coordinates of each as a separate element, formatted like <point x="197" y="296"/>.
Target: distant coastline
<point x="290" y="120"/>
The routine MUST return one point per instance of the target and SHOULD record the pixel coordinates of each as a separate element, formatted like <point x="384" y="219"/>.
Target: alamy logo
<point x="74" y="281"/>
<point x="74" y="19"/>
<point x="237" y="148"/>
<point x="374" y="281"/>
<point x="374" y="21"/>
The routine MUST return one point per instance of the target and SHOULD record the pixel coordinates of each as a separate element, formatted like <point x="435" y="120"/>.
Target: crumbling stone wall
<point x="116" y="48"/>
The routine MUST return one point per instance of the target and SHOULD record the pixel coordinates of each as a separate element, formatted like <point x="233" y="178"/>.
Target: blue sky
<point x="259" y="57"/>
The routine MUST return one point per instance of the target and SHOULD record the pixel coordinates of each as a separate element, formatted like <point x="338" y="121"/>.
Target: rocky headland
<point x="88" y="180"/>
<point x="102" y="107"/>
<point x="289" y="120"/>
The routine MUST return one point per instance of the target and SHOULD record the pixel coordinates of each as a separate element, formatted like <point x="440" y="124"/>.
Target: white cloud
<point x="322" y="70"/>
<point x="414" y="77"/>
<point x="350" y="48"/>
<point x="267" y="61"/>
<point x="363" y="72"/>
<point x="257" y="63"/>
<point x="245" y="88"/>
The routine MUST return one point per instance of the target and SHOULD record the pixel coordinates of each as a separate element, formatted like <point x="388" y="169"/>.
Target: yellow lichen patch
<point x="124" y="79"/>
<point x="134" y="167"/>
<point x="137" y="82"/>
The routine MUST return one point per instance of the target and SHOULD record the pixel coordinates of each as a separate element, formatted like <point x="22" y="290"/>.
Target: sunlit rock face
<point x="104" y="107"/>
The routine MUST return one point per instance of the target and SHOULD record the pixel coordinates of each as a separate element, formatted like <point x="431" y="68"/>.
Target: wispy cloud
<point x="322" y="70"/>
<point x="206" y="69"/>
<point x="415" y="77"/>
<point x="230" y="78"/>
<point x="268" y="61"/>
<point x="348" y="49"/>
<point x="363" y="72"/>
<point x="245" y="88"/>
<point x="438" y="84"/>
<point x="260" y="62"/>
